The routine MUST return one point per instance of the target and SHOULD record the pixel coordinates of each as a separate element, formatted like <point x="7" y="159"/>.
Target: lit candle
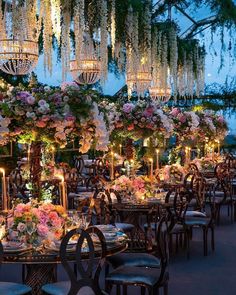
<point x="213" y="151"/>
<point x="4" y="190"/>
<point x="218" y="147"/>
<point x="120" y="149"/>
<point x="189" y="154"/>
<point x="63" y="194"/>
<point x="157" y="152"/>
<point x="53" y="154"/>
<point x="28" y="154"/>
<point x="112" y="165"/>
<point x="151" y="168"/>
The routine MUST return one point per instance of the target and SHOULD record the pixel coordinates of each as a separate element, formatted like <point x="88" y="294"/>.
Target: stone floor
<point x="211" y="275"/>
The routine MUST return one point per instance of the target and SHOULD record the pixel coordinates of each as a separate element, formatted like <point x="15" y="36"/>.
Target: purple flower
<point x="128" y="107"/>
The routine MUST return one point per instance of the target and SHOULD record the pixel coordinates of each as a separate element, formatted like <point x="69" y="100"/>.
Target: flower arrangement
<point x="139" y="186"/>
<point x="172" y="173"/>
<point x="52" y="115"/>
<point x="142" y="119"/>
<point x="35" y="222"/>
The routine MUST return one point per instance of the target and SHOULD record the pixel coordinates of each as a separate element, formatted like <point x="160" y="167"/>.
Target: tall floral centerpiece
<point x="45" y="115"/>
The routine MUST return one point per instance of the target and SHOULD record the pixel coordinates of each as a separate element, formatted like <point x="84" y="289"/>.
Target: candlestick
<point x="4" y="190"/>
<point x="157" y="152"/>
<point x="151" y="168"/>
<point x="112" y="165"/>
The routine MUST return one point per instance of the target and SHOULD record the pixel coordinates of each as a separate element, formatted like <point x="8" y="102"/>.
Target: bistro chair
<point x="9" y="288"/>
<point x="150" y="278"/>
<point x="83" y="281"/>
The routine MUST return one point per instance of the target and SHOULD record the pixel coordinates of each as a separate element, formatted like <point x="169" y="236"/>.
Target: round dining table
<point x="39" y="266"/>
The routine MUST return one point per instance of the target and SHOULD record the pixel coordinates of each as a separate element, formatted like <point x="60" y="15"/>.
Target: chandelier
<point x="140" y="81"/>
<point x="86" y="68"/>
<point x="160" y="94"/>
<point x="86" y="71"/>
<point x="18" y="57"/>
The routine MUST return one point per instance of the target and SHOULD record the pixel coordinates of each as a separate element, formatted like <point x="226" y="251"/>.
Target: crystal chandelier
<point x="87" y="68"/>
<point x="140" y="81"/>
<point x="18" y="57"/>
<point x="161" y="94"/>
<point x="19" y="31"/>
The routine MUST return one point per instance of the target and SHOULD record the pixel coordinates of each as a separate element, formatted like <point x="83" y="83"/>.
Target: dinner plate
<point x="15" y="248"/>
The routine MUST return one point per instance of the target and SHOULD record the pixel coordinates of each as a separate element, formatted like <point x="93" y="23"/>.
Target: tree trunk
<point x="35" y="167"/>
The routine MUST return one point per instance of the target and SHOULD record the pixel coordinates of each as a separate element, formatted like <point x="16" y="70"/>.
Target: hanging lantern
<point x="160" y="93"/>
<point x="18" y="57"/>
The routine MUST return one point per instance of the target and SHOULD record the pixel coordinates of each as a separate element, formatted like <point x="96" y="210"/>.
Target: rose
<point x="175" y="112"/>
<point x="148" y="112"/>
<point x="41" y="124"/>
<point x="128" y="107"/>
<point x="42" y="230"/>
<point x="130" y="127"/>
<point x="21" y="227"/>
<point x="30" y="100"/>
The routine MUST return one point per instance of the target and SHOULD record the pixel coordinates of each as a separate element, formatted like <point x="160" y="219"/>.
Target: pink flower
<point x="45" y="118"/>
<point x="10" y="222"/>
<point x="56" y="222"/>
<point x="53" y="215"/>
<point x="21" y="227"/>
<point x="182" y="118"/>
<point x="128" y="107"/>
<point x="148" y="112"/>
<point x="175" y="112"/>
<point x="65" y="85"/>
<point x="30" y="100"/>
<point x="42" y="230"/>
<point x="41" y="124"/>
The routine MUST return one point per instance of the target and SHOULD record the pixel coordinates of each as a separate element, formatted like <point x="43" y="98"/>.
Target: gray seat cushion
<point x="126" y="227"/>
<point x="195" y="214"/>
<point x="134" y="259"/>
<point x="198" y="221"/>
<point x="62" y="288"/>
<point x="8" y="288"/>
<point x="136" y="275"/>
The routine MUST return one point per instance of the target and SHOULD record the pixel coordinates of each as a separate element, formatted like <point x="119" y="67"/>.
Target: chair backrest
<point x="175" y="174"/>
<point x="193" y="168"/>
<point x="86" y="277"/>
<point x="199" y="190"/>
<point x="222" y="171"/>
<point x="79" y="164"/>
<point x="162" y="238"/>
<point x="17" y="183"/>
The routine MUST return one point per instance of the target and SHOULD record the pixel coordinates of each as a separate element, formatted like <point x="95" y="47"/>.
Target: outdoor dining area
<point x="107" y="189"/>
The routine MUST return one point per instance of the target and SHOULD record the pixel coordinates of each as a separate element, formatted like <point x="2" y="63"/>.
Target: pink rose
<point x="21" y="227"/>
<point x="41" y="124"/>
<point x="42" y="230"/>
<point x="10" y="222"/>
<point x="128" y="107"/>
<point x="175" y="112"/>
<point x="148" y="112"/>
<point x="45" y="118"/>
<point x="182" y="118"/>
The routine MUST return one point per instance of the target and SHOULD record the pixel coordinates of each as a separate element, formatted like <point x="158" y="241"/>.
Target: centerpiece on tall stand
<point x="44" y="117"/>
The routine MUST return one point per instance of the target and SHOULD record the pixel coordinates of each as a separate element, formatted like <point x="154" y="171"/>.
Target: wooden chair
<point x="146" y="277"/>
<point x="83" y="281"/>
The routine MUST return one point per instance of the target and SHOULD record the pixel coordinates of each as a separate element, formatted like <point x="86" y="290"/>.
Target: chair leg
<point x="118" y="290"/>
<point x="108" y="287"/>
<point x="165" y="289"/>
<point x="125" y="290"/>
<point x="143" y="290"/>
<point x="205" y="241"/>
<point x="213" y="239"/>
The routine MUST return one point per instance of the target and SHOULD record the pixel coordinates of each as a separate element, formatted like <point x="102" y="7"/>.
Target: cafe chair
<point x="146" y="277"/>
<point x="83" y="281"/>
<point x="9" y="288"/>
